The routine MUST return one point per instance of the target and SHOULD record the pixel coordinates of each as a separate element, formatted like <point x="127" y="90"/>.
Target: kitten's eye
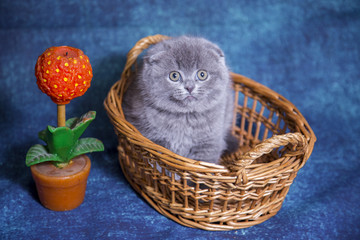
<point x="202" y="75"/>
<point x="174" y="76"/>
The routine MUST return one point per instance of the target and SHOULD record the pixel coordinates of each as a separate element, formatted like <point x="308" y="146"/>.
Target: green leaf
<point x="83" y="123"/>
<point x="51" y="128"/>
<point x="87" y="145"/>
<point x="42" y="135"/>
<point x="38" y="154"/>
<point x="70" y="123"/>
<point x="60" y="141"/>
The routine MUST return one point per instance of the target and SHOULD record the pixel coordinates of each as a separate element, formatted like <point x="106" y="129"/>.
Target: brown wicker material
<point x="250" y="185"/>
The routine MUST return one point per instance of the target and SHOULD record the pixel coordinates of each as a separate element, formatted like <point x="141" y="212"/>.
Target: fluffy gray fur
<point x="189" y="117"/>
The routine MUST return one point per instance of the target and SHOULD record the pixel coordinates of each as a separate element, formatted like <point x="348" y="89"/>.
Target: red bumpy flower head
<point x="63" y="73"/>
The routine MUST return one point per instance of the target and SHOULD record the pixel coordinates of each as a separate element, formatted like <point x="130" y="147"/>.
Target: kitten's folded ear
<point x="218" y="51"/>
<point x="154" y="58"/>
<point x="215" y="49"/>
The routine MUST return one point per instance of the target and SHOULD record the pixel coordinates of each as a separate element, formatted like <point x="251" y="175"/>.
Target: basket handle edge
<point x="238" y="166"/>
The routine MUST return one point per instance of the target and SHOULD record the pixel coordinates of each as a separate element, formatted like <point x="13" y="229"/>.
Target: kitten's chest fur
<point x="181" y="131"/>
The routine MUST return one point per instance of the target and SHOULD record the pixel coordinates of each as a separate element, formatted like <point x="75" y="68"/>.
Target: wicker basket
<point x="247" y="189"/>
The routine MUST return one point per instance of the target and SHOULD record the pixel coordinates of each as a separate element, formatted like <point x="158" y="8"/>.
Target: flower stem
<point x="61" y="115"/>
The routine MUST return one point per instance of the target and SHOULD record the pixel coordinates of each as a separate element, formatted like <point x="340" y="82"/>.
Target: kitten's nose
<point x="189" y="88"/>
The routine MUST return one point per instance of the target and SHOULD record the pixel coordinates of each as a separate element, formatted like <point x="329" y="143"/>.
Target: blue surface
<point x="308" y="51"/>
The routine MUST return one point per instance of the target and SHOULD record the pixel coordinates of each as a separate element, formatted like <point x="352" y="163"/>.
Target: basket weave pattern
<point x="248" y="187"/>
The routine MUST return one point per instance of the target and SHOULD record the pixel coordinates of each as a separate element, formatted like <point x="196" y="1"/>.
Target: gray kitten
<point x="182" y="99"/>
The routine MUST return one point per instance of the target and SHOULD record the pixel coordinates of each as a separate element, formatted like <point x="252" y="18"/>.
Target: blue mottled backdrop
<point x="308" y="51"/>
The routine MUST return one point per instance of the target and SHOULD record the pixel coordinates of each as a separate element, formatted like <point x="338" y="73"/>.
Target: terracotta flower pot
<point x="62" y="189"/>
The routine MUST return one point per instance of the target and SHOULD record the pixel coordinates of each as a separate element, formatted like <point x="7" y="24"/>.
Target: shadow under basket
<point x="247" y="188"/>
